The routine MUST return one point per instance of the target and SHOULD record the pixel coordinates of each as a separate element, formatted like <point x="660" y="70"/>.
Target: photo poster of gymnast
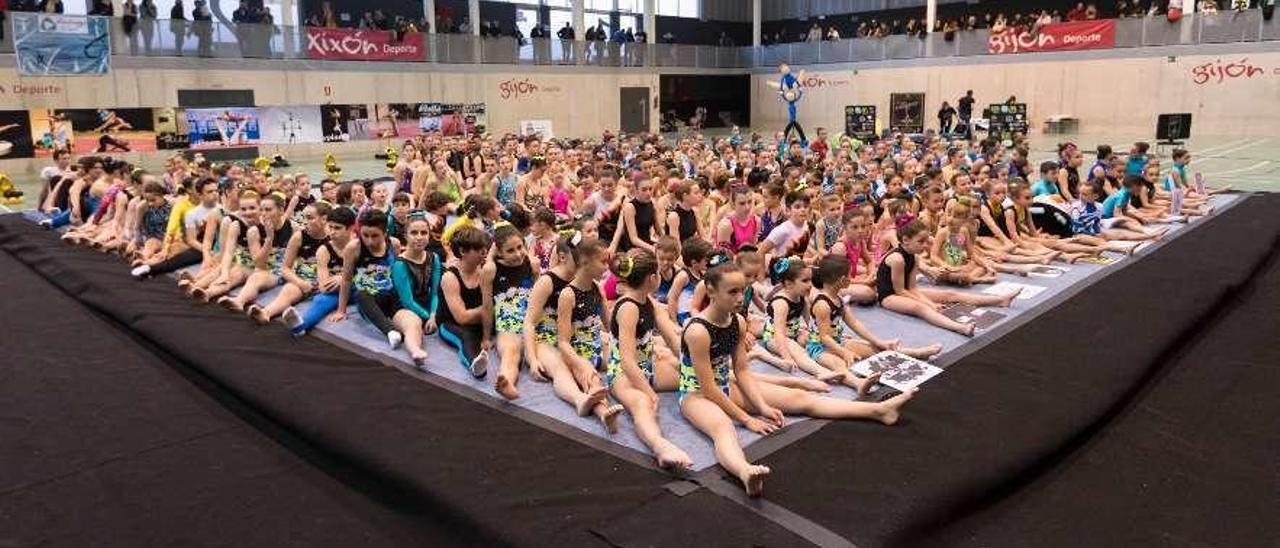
<point x="343" y="123"/>
<point x="451" y="119"/>
<point x="50" y="131"/>
<point x="906" y="112"/>
<point x="15" y="135"/>
<point x="396" y="121"/>
<point x="111" y="130"/>
<point x="287" y="125"/>
<point x="172" y="130"/>
<point x="226" y="127"/>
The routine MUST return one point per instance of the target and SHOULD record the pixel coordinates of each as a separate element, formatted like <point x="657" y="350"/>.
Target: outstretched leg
<point x="708" y="418"/>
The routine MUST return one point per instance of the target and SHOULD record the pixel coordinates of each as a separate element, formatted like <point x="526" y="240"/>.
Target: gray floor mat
<point x="539" y="397"/>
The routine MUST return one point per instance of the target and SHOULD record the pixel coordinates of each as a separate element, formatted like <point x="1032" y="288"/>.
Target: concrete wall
<point x="578" y="105"/>
<point x="1110" y="96"/>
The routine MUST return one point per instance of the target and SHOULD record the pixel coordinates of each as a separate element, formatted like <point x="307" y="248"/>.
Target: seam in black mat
<point x="799" y="525"/>
<point x="1232" y="298"/>
<point x="366" y="482"/>
<point x="532" y="417"/>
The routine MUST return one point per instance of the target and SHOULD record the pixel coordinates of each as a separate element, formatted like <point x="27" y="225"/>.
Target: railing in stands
<point x="165" y="38"/>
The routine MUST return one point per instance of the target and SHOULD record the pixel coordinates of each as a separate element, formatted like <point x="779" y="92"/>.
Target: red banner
<point x="363" y="45"/>
<point x="1057" y="37"/>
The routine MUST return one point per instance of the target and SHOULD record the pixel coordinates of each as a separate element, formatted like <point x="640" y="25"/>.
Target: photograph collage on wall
<point x="38" y="132"/>
<point x="906" y="112"/>
<point x="1007" y="119"/>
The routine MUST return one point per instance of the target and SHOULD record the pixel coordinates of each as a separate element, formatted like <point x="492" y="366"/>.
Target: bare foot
<point x="419" y="357"/>
<point x="671" y="457"/>
<point x="230" y="304"/>
<point x="923" y="353"/>
<point x="609" y="416"/>
<point x="184" y="276"/>
<point x="889" y="408"/>
<point x="1007" y="301"/>
<point x="967" y="330"/>
<point x="505" y="387"/>
<point x="199" y="293"/>
<point x="863" y="385"/>
<point x="753" y="479"/>
<point x="589" y="400"/>
<point x="258" y="315"/>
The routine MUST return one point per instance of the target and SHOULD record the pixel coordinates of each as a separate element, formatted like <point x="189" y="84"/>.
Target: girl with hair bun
<point x="636" y="372"/>
<point x="506" y="282"/>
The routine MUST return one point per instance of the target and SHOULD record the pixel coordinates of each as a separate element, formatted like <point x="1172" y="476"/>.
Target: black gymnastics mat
<point x="103" y="444"/>
<point x="1102" y="404"/>
<point x="1071" y="430"/>
<point x="427" y="453"/>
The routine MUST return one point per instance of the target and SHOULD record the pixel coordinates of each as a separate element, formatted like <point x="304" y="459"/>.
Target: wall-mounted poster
<point x="291" y="124"/>
<point x="396" y="121"/>
<point x="224" y="127"/>
<point x="906" y="112"/>
<point x="451" y="119"/>
<point x="541" y="128"/>
<point x="172" y="130"/>
<point x="50" y="131"/>
<point x="1007" y="119"/>
<point x="341" y="123"/>
<point x="860" y="121"/>
<point x="102" y="131"/>
<point x="61" y="44"/>
<point x="15" y="134"/>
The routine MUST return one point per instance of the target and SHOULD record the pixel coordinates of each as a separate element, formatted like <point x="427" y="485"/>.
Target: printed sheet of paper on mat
<point x="897" y="370"/>
<point x="1042" y="271"/>
<point x="1025" y="291"/>
<point x="981" y="318"/>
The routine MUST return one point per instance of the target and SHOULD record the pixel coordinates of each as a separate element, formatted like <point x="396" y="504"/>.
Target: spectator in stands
<point x="567" y="35"/>
<point x="465" y="27"/>
<point x="725" y="41"/>
<point x="1208" y="6"/>
<point x="815" y="33"/>
<point x="966" y="113"/>
<point x="51" y="6"/>
<point x="1076" y="13"/>
<point x="202" y="27"/>
<point x="102" y="8"/>
<point x="833" y="34"/>
<point x="178" y="25"/>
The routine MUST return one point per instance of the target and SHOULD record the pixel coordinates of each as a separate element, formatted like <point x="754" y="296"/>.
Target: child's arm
<point x="537" y="301"/>
<point x="1064" y="189"/>
<point x="451" y="286"/>
<point x="1011" y="224"/>
<point x="680" y="280"/>
<point x="724" y="232"/>
<point x="935" y="251"/>
<point x="486" y="291"/>
<point x="291" y="257"/>
<point x="699" y="293"/>
<point x="402" y="281"/>
<point x="750" y="390"/>
<point x="564" y="331"/>
<point x="822" y="316"/>
<point x="779" y="308"/>
<point x="698" y="341"/>
<point x="669" y="330"/>
<point x="984" y="215"/>
<point x="349" y="256"/>
<point x="865" y="332"/>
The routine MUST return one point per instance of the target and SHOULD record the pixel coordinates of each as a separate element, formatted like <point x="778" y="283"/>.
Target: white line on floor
<point x="1210" y="151"/>
<point x="1241" y="170"/>
<point x="1223" y="153"/>
<point x="6" y="208"/>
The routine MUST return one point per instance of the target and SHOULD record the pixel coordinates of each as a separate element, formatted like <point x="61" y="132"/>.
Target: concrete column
<point x="651" y="21"/>
<point x="756" y="21"/>
<point x="288" y="12"/>
<point x="580" y="19"/>
<point x="931" y="13"/>
<point x="429" y="14"/>
<point x="473" y="11"/>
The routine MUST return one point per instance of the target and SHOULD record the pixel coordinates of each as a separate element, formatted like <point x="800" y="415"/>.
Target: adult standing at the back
<point x="965" y="110"/>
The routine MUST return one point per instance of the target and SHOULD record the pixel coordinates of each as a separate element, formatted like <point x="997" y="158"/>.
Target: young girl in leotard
<point x="636" y="373"/>
<point x="682" y="219"/>
<point x="718" y="389"/>
<point x="298" y="269"/>
<point x="853" y="247"/>
<point x="213" y="241"/>
<point x="266" y="243"/>
<point x="1022" y="229"/>
<point x="416" y="278"/>
<point x="896" y="287"/>
<point x="580" y="322"/>
<point x="505" y="283"/>
<point x="462" y="316"/>
<point x="366" y="276"/>
<point x="993" y="232"/>
<point x="636" y="224"/>
<point x="667" y="250"/>
<point x="340" y="224"/>
<point x="954" y="252"/>
<point x="830" y="227"/>
<point x="772" y="213"/>
<point x="741" y="227"/>
<point x="542" y="332"/>
<point x="235" y="260"/>
<point x="788" y="321"/>
<point x="695" y="253"/>
<point x="828" y="345"/>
